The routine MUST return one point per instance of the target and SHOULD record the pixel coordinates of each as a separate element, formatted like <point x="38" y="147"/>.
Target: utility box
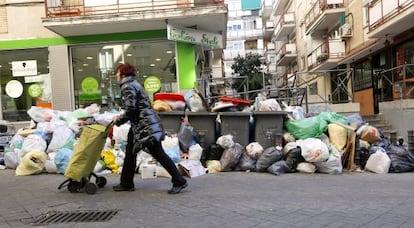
<point x="205" y="127"/>
<point x="236" y="124"/>
<point x="268" y="128"/>
<point x="171" y="121"/>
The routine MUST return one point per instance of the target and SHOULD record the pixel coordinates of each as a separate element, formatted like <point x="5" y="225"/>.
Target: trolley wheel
<point x="101" y="181"/>
<point x="73" y="186"/>
<point x="91" y="188"/>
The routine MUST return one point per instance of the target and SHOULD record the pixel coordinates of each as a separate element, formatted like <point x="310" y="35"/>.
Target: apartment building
<point x="244" y="35"/>
<point x="62" y="53"/>
<point x="346" y="53"/>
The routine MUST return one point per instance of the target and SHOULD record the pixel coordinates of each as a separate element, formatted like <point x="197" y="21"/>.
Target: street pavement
<point x="227" y="199"/>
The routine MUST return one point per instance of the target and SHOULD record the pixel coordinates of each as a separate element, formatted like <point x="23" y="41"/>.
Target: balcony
<point x="267" y="7"/>
<point x="287" y="54"/>
<point x="389" y="17"/>
<point x="268" y="29"/>
<point x="323" y="14"/>
<point x="270" y="48"/>
<point x="92" y="17"/>
<point x="279" y="6"/>
<point x="244" y="34"/>
<point x="326" y="56"/>
<point x="285" y="26"/>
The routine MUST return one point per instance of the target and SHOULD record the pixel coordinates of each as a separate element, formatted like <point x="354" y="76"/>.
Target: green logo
<point x="152" y="84"/>
<point x="35" y="90"/>
<point x="89" y="85"/>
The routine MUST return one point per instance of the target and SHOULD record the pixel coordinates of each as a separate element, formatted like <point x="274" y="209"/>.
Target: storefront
<point x="77" y="71"/>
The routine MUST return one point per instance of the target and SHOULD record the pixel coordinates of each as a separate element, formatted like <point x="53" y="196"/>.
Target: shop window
<point x="94" y="69"/>
<point x="25" y="82"/>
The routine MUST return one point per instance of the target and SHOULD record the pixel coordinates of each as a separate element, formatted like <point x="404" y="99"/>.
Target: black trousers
<point x="156" y="150"/>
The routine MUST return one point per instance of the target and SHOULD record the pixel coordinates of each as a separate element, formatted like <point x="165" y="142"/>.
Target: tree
<point x="250" y="68"/>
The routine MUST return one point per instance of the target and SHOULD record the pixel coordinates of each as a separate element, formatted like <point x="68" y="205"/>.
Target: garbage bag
<point x="185" y="136"/>
<point x="312" y="127"/>
<point x="378" y="162"/>
<point x="280" y="167"/>
<point x="32" y="162"/>
<point x="246" y="163"/>
<point x="254" y="150"/>
<point x="402" y="160"/>
<point x="225" y="141"/>
<point x="313" y="150"/>
<point x="11" y="159"/>
<point x="306" y="167"/>
<point x="269" y="156"/>
<point x="231" y="157"/>
<point x="62" y="158"/>
<point x="294" y="157"/>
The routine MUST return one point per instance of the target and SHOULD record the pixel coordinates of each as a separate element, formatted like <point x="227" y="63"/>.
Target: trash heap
<point x="325" y="143"/>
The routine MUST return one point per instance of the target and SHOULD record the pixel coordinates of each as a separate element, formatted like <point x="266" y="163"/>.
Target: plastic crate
<point x="268" y="128"/>
<point x="171" y="121"/>
<point x="236" y="124"/>
<point x="205" y="127"/>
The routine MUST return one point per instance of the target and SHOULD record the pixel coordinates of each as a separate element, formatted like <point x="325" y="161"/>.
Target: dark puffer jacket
<point x="145" y="122"/>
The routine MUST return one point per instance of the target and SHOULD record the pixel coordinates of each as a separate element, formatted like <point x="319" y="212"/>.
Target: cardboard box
<point x="192" y="168"/>
<point x="149" y="171"/>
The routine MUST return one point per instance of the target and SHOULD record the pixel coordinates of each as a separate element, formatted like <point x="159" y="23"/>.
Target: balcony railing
<point x="381" y="11"/>
<point x="285" y="26"/>
<point x="318" y="8"/>
<point x="328" y="50"/>
<point x="243" y="34"/>
<point x="70" y="8"/>
<point x="287" y="54"/>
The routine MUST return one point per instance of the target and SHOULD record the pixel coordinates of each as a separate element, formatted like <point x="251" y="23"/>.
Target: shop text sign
<point x="24" y="68"/>
<point x="194" y="36"/>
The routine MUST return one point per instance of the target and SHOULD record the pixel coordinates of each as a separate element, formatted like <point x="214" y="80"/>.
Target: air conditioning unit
<point x="345" y="31"/>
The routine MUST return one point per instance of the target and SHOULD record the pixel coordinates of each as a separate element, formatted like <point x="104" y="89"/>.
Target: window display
<point x="25" y="82"/>
<point x="93" y="69"/>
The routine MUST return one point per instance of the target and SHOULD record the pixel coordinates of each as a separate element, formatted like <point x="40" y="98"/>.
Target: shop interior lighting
<point x="89" y="57"/>
<point x="157" y="60"/>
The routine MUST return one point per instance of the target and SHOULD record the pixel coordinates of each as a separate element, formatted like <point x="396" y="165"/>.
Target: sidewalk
<point x="228" y="199"/>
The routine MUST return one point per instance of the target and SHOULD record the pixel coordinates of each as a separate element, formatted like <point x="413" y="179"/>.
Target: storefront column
<point x="186" y="67"/>
<point x="62" y="95"/>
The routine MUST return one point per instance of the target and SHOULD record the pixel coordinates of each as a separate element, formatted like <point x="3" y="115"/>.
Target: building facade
<point x="62" y="53"/>
<point x="350" y="55"/>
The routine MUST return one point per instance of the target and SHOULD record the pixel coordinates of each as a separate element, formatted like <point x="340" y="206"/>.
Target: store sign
<point x="152" y="84"/>
<point x="33" y="79"/>
<point x="89" y="85"/>
<point x="14" y="89"/>
<point x="24" y="68"/>
<point x="194" y="36"/>
<point x="35" y="90"/>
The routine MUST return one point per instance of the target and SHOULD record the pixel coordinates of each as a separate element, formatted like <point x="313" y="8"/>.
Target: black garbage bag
<point x="294" y="157"/>
<point x="363" y="155"/>
<point x="280" y="167"/>
<point x="269" y="156"/>
<point x="213" y="152"/>
<point x="402" y="160"/>
<point x="246" y="163"/>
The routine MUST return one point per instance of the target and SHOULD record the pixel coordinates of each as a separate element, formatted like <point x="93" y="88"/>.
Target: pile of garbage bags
<point x="310" y="144"/>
